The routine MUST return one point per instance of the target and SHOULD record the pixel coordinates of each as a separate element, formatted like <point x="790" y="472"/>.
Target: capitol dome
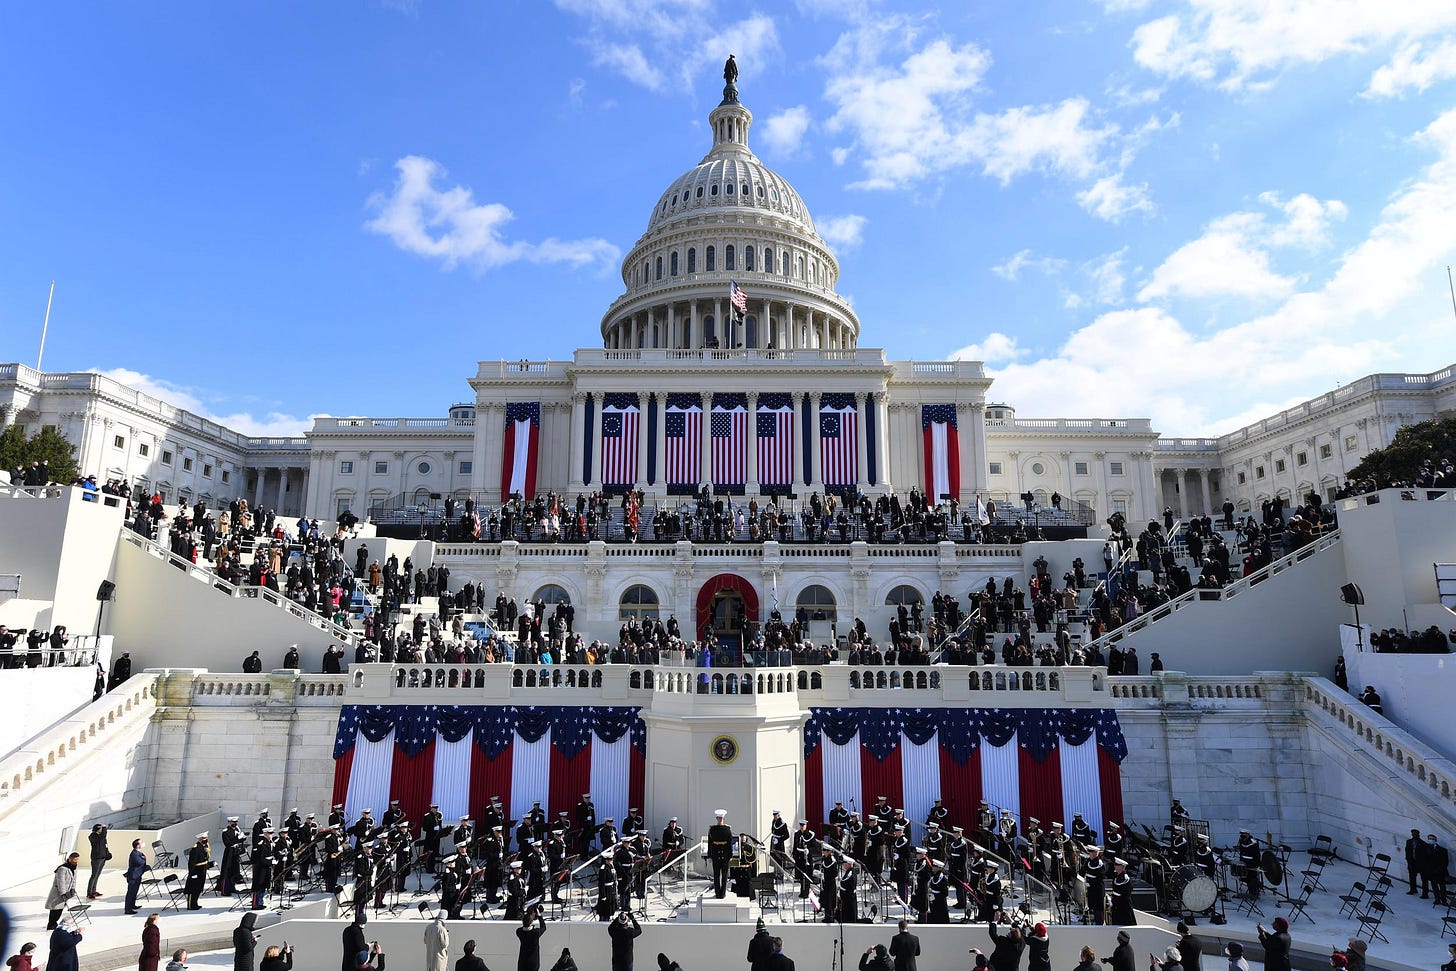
<point x="730" y="220"/>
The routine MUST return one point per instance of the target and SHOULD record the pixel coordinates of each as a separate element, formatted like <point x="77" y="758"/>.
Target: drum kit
<point x="1186" y="891"/>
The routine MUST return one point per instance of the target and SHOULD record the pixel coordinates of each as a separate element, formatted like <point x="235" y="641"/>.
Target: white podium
<point x="729" y="910"/>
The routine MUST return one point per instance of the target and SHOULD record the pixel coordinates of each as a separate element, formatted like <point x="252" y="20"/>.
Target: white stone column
<point x="971" y="436"/>
<point x="1181" y="478"/>
<point x="705" y="457"/>
<point x="861" y="444"/>
<point x="798" y="457"/>
<point x="671" y="340"/>
<point x="816" y="473"/>
<point x="882" y="444"/>
<point x="1204" y="492"/>
<point x="694" y="338"/>
<point x="642" y="442"/>
<point x="660" y="485"/>
<point x="751" y="486"/>
<point x="596" y="477"/>
<point x="720" y="330"/>
<point x="578" y="438"/>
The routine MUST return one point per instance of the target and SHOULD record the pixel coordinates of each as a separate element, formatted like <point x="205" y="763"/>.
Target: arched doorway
<point x="727" y="606"/>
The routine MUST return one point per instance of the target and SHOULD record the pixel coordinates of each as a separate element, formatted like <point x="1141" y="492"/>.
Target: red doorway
<point x="724" y="582"/>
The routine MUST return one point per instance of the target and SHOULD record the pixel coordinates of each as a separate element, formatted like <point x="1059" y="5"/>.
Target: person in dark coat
<point x="1038" y="947"/>
<point x="245" y="942"/>
<point x="529" y="934"/>
<point x="1415" y="859"/>
<point x="469" y="962"/>
<point x="1006" y="948"/>
<point x="1276" y="945"/>
<point x="63" y="943"/>
<point x="760" y="948"/>
<point x="905" y="948"/>
<point x="623" y="931"/>
<point x="1122" y="957"/>
<point x="1190" y="949"/>
<point x="354" y="942"/>
<point x="151" y="945"/>
<point x="1436" y="872"/>
<point x="277" y="959"/>
<point x="876" y="958"/>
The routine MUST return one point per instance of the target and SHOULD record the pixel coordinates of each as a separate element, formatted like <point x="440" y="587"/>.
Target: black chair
<point x="78" y="911"/>
<point x="1370" y="922"/>
<point x="425" y="913"/>
<point x="1380" y="865"/>
<point x="1298" y="904"/>
<point x="765" y="891"/>
<point x="1448" y="921"/>
<point x="1316" y="868"/>
<point x="163" y="857"/>
<point x="1353" y="900"/>
<point x="1323" y="848"/>
<point x="175" y="891"/>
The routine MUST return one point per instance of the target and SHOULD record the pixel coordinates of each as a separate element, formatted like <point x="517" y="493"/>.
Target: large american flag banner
<point x="738" y="298"/>
<point x="465" y="756"/>
<point x="518" y="459"/>
<point x="776" y="440"/>
<point x="729" y="430"/>
<point x="942" y="452"/>
<point x="620" y="427"/>
<point x="1044" y="762"/>
<point x="684" y="443"/>
<point x="838" y="440"/>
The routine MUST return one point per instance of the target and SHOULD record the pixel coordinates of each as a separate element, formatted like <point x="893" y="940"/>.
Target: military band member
<point x="450" y="902"/>
<point x="363" y="828"/>
<point x="938" y="814"/>
<point x="901" y="856"/>
<point x="1096" y="875"/>
<point x="1121" y="894"/>
<point x="260" y="824"/>
<point x="673" y="838"/>
<point x="556" y="861"/>
<point x="957" y="853"/>
<point x="492" y="856"/>
<point x="848" y="900"/>
<point x="307" y="847"/>
<point x="838" y="816"/>
<point x="1249" y="862"/>
<point x="292" y="823"/>
<point x="854" y="837"/>
<point x="430" y="825"/>
<point x="720" y="852"/>
<point x="336" y="816"/>
<point x="939" y="890"/>
<point x="607" y="891"/>
<point x="1081" y="831"/>
<point x="1204" y="858"/>
<point x="1178" y="816"/>
<point x="464" y="877"/>
<point x="363" y="876"/>
<point x="875" y="840"/>
<point x="884" y="810"/>
<point x="778" y="839"/>
<point x="586" y="825"/>
<point x="199" y="859"/>
<point x="607" y="834"/>
<point x="633" y="823"/>
<point x="392" y="815"/>
<point x="1116" y="841"/>
<point x="992" y="892"/>
<point x="382" y="856"/>
<point x="1178" y="850"/>
<point x="828" y="882"/>
<point x="333" y="847"/>
<point x="934" y="841"/>
<point x="230" y="872"/>
<point x="804" y="841"/>
<point x="403" y="846"/>
<point x="921" y="871"/>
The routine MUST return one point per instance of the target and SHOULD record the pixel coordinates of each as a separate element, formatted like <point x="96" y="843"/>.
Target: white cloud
<point x="271" y="425"/>
<point x="1240" y="43"/>
<point x="449" y="225"/>
<point x="995" y="348"/>
<point x="628" y="61"/>
<point x="843" y="232"/>
<point x="1125" y="6"/>
<point x="1374" y="304"/>
<point x="1232" y="259"/>
<point x="1107" y="277"/>
<point x="1110" y="198"/>
<point x="1026" y="259"/>
<point x="1413" y="68"/>
<point x="783" y="133"/>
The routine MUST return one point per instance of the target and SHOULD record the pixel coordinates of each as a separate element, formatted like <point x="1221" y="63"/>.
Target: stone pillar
<point x="751" y="486"/>
<point x="596" y="474"/>
<point x="661" y="445"/>
<point x="578" y="438"/>
<point x="720" y="330"/>
<point x="1180" y="477"/>
<point x="642" y="443"/>
<point x="861" y="444"/>
<point x="706" y="456"/>
<point x="882" y="444"/>
<point x="671" y="340"/>
<point x="798" y="457"/>
<point x="1203" y="490"/>
<point x="694" y="338"/>
<point x="816" y="474"/>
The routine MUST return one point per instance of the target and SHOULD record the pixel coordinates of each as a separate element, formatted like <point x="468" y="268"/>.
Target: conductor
<point x="720" y="852"/>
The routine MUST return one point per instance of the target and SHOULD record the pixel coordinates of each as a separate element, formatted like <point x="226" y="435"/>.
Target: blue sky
<point x="1199" y="211"/>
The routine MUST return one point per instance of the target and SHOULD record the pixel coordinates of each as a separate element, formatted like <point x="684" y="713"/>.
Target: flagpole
<point x="1449" y="283"/>
<point x="45" y="325"/>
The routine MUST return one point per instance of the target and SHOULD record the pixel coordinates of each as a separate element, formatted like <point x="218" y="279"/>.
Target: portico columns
<point x="596" y="469"/>
<point x="751" y="486"/>
<point x="577" y="440"/>
<point x="660" y="479"/>
<point x="706" y="456"/>
<point x="642" y="413"/>
<point x="861" y="456"/>
<point x="816" y="475"/>
<point x="1203" y="489"/>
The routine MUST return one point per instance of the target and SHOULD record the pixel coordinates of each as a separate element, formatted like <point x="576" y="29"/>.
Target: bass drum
<point x="1193" y="888"/>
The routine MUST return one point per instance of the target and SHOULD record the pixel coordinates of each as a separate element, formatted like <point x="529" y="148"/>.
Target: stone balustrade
<point x="46" y="756"/>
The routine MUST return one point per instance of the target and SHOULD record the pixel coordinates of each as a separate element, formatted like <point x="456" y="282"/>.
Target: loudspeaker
<point x="1352" y="595"/>
<point x="103" y="592"/>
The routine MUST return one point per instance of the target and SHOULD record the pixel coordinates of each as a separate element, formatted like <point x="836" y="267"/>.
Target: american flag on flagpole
<point x="684" y="443"/>
<point x="730" y="439"/>
<point x="738" y="297"/>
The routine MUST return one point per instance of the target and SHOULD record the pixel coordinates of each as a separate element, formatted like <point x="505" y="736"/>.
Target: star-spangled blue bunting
<point x="961" y="730"/>
<point x="930" y="414"/>
<point x="523" y="411"/>
<point x="415" y="726"/>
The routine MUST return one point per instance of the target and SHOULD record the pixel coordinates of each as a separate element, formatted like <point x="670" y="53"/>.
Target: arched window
<point x="712" y="251"/>
<point x="818" y="602"/>
<point x="727" y="257"/>
<point x="707" y="330"/>
<point x="422" y="496"/>
<point x="638" y="603"/>
<point x="784" y="262"/>
<point x="747" y="258"/>
<point x="692" y="260"/>
<point x="750" y="331"/>
<point x="801" y="268"/>
<point x="768" y="261"/>
<point x="552" y="593"/>
<point x="674" y="262"/>
<point x="659" y="268"/>
<point x="903" y="594"/>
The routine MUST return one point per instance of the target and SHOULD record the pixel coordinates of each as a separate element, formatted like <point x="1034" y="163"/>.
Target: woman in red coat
<point x="151" y="945"/>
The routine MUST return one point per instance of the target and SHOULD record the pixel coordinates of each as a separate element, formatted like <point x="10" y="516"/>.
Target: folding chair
<point x="162" y="857"/>
<point x="1353" y="899"/>
<point x="1323" y="848"/>
<point x="1312" y="874"/>
<point x="78" y="911"/>
<point x="765" y="891"/>
<point x="424" y="909"/>
<point x="1448" y="921"/>
<point x="1370" y="922"/>
<point x="1298" y="904"/>
<point x="175" y="891"/>
<point x="150" y="881"/>
<point x="1380" y="865"/>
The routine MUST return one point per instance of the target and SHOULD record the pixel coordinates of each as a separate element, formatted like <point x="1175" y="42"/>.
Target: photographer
<point x="1006" y="948"/>
<point x="529" y="934"/>
<point x="245" y="942"/>
<point x="100" y="853"/>
<point x="623" y="931"/>
<point x="370" y="960"/>
<point x="277" y="958"/>
<point x="876" y="958"/>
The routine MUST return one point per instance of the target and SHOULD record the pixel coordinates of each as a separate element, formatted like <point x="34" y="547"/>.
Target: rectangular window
<point x="118" y="442"/>
<point x="166" y="457"/>
<point x="346" y="468"/>
<point x="995" y="468"/>
<point x="1350" y="444"/>
<point x="226" y="476"/>
<point x="1326" y="451"/>
<point x="206" y="471"/>
<point x="1259" y="472"/>
<point x="1079" y="468"/>
<point x="341" y="506"/>
<point x="1243" y="478"/>
<point x="467" y="467"/>
<point x="1119" y="505"/>
<point x="1302" y="458"/>
<point x="1115" y="468"/>
<point x="1278" y="466"/>
<point x="186" y="465"/>
<point x="144" y="450"/>
<point x="381" y="468"/>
